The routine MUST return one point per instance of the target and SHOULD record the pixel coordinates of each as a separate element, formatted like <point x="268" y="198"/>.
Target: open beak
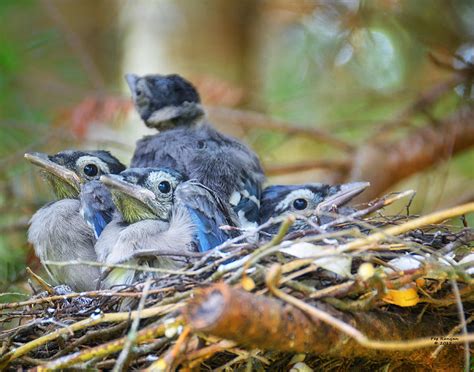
<point x="41" y="160"/>
<point x="131" y="81"/>
<point x="345" y="193"/>
<point x="117" y="184"/>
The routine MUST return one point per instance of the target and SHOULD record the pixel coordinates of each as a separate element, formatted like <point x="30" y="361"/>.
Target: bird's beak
<point x="345" y="193"/>
<point x="131" y="81"/>
<point x="51" y="168"/>
<point x="122" y="189"/>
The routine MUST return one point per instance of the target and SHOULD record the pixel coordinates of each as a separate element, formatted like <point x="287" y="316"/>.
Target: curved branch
<point x="252" y="120"/>
<point x="269" y="324"/>
<point x="383" y="165"/>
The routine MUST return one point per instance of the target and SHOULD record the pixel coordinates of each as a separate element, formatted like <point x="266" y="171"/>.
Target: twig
<point x="122" y="360"/>
<point x="251" y="119"/>
<point x="230" y="363"/>
<point x="145" y="335"/>
<point x="86" y="323"/>
<point x="255" y="256"/>
<point x="381" y="203"/>
<point x="91" y="335"/>
<point x="463" y="323"/>
<point x="335" y="290"/>
<point x="4" y="294"/>
<point x="197" y="357"/>
<point x="416" y="223"/>
<point x="273" y="279"/>
<point x="121" y="266"/>
<point x="167" y="362"/>
<point x="45" y="286"/>
<point x="450" y="334"/>
<point x="98" y="293"/>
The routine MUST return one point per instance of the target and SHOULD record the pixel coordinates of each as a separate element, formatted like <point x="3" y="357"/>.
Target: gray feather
<point x="194" y="195"/>
<point x="200" y="152"/>
<point x="58" y="233"/>
<point x="141" y="243"/>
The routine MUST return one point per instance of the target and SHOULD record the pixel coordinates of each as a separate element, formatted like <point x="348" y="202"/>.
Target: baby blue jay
<point x="57" y="231"/>
<point x="189" y="144"/>
<point x="161" y="214"/>
<point x="309" y="200"/>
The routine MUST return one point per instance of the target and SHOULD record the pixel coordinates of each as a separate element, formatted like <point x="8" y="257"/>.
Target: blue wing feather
<point x="208" y="234"/>
<point x="97" y="220"/>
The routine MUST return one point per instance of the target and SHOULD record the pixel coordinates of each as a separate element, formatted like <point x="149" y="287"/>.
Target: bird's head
<point x="165" y="101"/>
<point x="67" y="170"/>
<point x="308" y="199"/>
<point x="143" y="193"/>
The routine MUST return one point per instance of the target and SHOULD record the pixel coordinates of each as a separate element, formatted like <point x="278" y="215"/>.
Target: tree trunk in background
<point x="193" y="38"/>
<point x="90" y="31"/>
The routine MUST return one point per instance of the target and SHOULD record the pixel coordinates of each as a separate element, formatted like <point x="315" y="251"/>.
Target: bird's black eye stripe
<point x="91" y="170"/>
<point x="300" y="204"/>
<point x="164" y="187"/>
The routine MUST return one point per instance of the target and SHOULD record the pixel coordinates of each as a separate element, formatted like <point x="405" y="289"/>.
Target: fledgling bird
<point x="188" y="143"/>
<point x="161" y="214"/>
<point x="58" y="231"/>
<point x="309" y="200"/>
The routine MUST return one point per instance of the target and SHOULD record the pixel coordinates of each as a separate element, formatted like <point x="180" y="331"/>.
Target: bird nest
<point x="364" y="291"/>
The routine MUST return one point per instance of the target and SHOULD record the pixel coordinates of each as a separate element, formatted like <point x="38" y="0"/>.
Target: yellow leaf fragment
<point x="403" y="297"/>
<point x="247" y="283"/>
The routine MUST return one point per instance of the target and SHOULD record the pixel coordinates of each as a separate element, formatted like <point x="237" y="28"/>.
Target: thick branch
<point x="268" y="324"/>
<point x="385" y="165"/>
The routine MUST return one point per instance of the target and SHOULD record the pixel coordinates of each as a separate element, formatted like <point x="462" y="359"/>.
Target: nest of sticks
<point x="261" y="306"/>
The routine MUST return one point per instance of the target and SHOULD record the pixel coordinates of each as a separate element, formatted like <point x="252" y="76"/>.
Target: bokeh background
<point x="326" y="91"/>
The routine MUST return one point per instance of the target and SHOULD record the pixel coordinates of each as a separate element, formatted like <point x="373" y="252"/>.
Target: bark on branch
<point x="266" y="323"/>
<point x="383" y="165"/>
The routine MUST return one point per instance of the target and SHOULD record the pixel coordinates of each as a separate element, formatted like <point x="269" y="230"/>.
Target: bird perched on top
<point x="311" y="200"/>
<point x="189" y="144"/>
<point x="58" y="231"/>
<point x="162" y="214"/>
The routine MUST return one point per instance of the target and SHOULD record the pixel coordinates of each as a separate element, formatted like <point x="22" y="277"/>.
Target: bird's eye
<point x="138" y="92"/>
<point x="164" y="187"/>
<point x="300" y="204"/>
<point x="201" y="144"/>
<point x="91" y="170"/>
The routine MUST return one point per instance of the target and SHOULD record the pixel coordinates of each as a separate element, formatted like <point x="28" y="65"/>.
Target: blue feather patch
<point x="208" y="233"/>
<point x="96" y="220"/>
